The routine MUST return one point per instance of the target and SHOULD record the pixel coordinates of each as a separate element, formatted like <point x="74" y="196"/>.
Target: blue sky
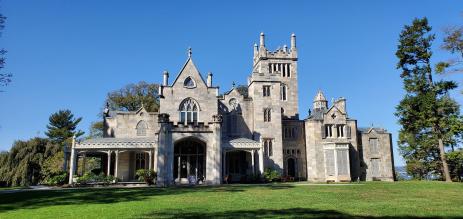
<point x="69" y="54"/>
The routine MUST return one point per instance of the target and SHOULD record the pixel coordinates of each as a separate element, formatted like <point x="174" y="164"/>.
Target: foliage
<point x="147" y="176"/>
<point x="271" y="175"/>
<point x="53" y="166"/>
<point x="430" y="119"/>
<point x="96" y="130"/>
<point x="22" y="166"/>
<point x="133" y="96"/>
<point x="58" y="179"/>
<point x="243" y="90"/>
<point x="453" y="42"/>
<point x="90" y="177"/>
<point x="62" y="126"/>
<point x="5" y="78"/>
<point x="455" y="159"/>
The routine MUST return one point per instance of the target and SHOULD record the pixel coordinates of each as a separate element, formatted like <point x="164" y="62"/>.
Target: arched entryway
<point x="291" y="164"/>
<point x="189" y="161"/>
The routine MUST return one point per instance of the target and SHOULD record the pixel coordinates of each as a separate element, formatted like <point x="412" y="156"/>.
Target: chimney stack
<point x="209" y="79"/>
<point x="165" y="81"/>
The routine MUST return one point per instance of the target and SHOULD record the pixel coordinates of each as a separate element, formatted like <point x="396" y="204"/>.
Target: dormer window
<point x="189" y="83"/>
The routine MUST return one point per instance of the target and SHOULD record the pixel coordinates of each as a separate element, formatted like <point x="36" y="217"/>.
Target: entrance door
<point x="189" y="159"/>
<point x="291" y="167"/>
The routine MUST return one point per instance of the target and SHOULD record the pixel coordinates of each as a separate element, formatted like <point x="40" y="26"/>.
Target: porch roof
<point x="123" y="143"/>
<point x="242" y="143"/>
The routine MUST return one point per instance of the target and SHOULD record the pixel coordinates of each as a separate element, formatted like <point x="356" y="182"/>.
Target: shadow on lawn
<point x="39" y="199"/>
<point x="268" y="213"/>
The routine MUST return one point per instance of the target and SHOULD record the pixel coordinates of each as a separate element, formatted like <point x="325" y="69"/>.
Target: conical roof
<point x="319" y="96"/>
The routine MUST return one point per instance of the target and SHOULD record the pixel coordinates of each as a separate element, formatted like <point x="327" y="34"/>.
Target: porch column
<point x="150" y="160"/>
<point x="178" y="169"/>
<point x="252" y="162"/>
<point x="73" y="160"/>
<point x="117" y="164"/>
<point x="261" y="162"/>
<point x="84" y="162"/>
<point x="109" y="163"/>
<point x="224" y="164"/>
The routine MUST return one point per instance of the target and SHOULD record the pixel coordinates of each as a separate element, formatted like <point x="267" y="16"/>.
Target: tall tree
<point x="5" y="78"/>
<point x="427" y="113"/>
<point x="62" y="126"/>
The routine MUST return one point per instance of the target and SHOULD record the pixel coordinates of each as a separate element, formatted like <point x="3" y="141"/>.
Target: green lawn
<point x="388" y="200"/>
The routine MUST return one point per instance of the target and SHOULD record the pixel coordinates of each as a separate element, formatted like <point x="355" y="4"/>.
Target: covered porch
<point x="242" y="160"/>
<point x="118" y="157"/>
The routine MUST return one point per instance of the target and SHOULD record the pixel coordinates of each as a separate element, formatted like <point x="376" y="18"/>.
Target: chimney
<point x="293" y="41"/>
<point x="262" y="40"/>
<point x="209" y="79"/>
<point x="165" y="81"/>
<point x="341" y="104"/>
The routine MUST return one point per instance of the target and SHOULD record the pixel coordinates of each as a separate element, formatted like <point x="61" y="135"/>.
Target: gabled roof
<point x="189" y="62"/>
<point x="376" y="129"/>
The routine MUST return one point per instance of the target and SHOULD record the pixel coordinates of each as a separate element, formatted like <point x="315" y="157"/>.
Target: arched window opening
<point x="189" y="111"/>
<point x="283" y="92"/>
<point x="189" y="83"/>
<point x="141" y="128"/>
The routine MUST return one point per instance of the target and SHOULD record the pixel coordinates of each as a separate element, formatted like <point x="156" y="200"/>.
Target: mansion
<point x="202" y="136"/>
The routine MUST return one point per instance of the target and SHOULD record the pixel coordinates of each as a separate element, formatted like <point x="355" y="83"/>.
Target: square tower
<point x="274" y="91"/>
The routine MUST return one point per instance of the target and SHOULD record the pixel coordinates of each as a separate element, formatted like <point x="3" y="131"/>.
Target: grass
<point x="369" y="200"/>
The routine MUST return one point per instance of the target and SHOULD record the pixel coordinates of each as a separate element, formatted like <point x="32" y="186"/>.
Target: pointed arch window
<point x="141" y="128"/>
<point x="189" y="83"/>
<point x="189" y="111"/>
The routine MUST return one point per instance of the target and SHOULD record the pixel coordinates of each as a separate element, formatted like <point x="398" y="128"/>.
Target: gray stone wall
<point x="383" y="155"/>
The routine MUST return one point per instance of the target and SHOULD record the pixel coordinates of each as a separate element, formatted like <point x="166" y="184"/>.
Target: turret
<point x="320" y="101"/>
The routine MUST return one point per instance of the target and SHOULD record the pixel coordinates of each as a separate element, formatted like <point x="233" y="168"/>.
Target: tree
<point x="129" y="98"/>
<point x="62" y="127"/>
<point x="453" y="42"/>
<point x="429" y="117"/>
<point x="133" y="96"/>
<point x="243" y="90"/>
<point x="22" y="166"/>
<point x="5" y="78"/>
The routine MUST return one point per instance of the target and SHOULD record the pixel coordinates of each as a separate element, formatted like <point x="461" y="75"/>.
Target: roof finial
<point x="233" y="85"/>
<point x="189" y="51"/>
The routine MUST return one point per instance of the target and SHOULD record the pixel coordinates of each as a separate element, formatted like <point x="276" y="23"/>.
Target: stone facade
<point x="201" y="136"/>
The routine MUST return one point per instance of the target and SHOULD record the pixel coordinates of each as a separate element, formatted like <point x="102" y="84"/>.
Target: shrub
<point x="90" y="177"/>
<point x="271" y="175"/>
<point x="59" y="179"/>
<point x="147" y="176"/>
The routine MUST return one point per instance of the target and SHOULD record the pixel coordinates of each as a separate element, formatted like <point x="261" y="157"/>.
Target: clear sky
<point x="69" y="54"/>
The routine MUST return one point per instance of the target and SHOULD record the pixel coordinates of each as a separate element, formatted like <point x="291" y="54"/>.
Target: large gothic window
<point x="189" y="111"/>
<point x="141" y="128"/>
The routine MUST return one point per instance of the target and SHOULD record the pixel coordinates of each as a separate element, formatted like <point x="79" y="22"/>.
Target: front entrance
<point x="189" y="161"/>
<point x="291" y="167"/>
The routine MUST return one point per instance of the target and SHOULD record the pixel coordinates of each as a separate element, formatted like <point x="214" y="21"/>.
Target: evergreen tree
<point x="429" y="117"/>
<point x="62" y="126"/>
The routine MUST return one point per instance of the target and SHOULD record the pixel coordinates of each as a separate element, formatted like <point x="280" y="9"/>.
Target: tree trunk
<point x="444" y="161"/>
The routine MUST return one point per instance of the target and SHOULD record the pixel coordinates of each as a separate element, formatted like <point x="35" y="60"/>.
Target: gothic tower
<point x="273" y="88"/>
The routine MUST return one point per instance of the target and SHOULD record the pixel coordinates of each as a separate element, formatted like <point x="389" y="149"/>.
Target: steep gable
<point x="189" y="70"/>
